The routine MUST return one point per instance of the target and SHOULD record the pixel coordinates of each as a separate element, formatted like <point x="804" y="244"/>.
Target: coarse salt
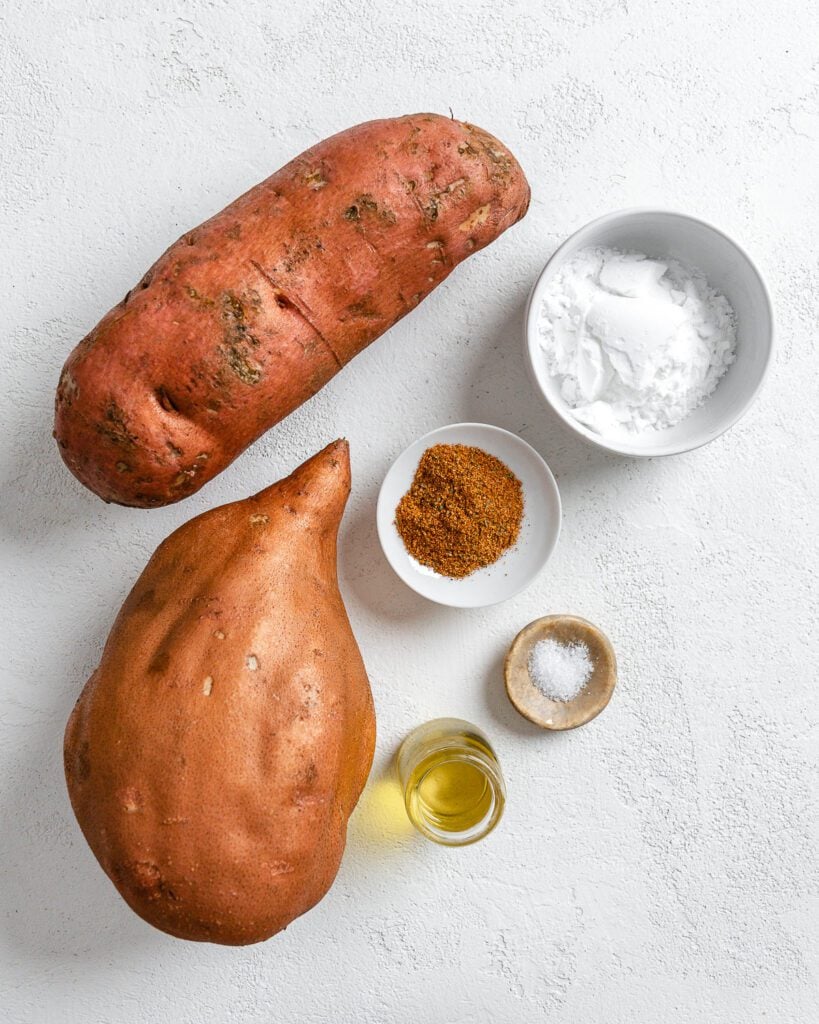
<point x="560" y="671"/>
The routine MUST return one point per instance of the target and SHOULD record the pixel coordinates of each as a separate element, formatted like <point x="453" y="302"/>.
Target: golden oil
<point x="453" y="786"/>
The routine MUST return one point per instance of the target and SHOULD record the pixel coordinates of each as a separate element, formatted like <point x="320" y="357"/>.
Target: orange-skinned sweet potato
<point x="215" y="755"/>
<point x="248" y="315"/>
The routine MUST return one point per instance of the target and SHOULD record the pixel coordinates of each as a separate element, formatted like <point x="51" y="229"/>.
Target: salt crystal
<point x="560" y="671"/>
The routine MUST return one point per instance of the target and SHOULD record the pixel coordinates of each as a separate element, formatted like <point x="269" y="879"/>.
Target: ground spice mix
<point x="463" y="510"/>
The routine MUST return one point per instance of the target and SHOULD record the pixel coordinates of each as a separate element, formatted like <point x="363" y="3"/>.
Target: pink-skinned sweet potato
<point x="248" y="315"/>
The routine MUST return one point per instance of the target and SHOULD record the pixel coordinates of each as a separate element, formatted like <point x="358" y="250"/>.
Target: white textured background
<point x="657" y="866"/>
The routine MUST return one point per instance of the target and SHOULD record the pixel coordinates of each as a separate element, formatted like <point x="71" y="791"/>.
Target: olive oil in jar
<point x="453" y="787"/>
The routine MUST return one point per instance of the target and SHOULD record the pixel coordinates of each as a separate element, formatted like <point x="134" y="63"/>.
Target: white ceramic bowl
<point x="519" y="565"/>
<point x="727" y="267"/>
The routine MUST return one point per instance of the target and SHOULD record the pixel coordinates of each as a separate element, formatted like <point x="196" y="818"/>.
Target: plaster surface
<point x="657" y="865"/>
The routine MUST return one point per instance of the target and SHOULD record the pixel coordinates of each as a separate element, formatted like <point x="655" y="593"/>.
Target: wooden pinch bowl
<point x="555" y="714"/>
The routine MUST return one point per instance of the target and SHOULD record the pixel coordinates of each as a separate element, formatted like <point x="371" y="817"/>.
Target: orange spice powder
<point x="463" y="510"/>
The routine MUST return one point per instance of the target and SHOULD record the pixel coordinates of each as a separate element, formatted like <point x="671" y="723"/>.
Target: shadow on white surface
<point x="38" y="494"/>
<point x="56" y="904"/>
<point x="498" y="706"/>
<point x="501" y="392"/>
<point x="365" y="571"/>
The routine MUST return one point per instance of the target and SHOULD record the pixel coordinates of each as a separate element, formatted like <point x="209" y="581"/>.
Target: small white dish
<point x="515" y="569"/>
<point x="727" y="267"/>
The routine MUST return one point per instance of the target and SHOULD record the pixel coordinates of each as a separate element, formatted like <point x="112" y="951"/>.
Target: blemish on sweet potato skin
<point x="78" y="767"/>
<point x="114" y="427"/>
<point x="252" y="312"/>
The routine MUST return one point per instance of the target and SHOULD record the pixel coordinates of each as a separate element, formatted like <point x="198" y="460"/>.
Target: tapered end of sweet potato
<point x="319" y="487"/>
<point x="505" y="173"/>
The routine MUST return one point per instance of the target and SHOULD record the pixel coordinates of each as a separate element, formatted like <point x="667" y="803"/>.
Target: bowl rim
<point x="523" y="638"/>
<point x="531" y="340"/>
<point x="382" y="522"/>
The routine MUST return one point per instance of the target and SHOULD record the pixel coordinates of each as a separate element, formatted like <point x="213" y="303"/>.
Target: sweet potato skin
<point x="250" y="314"/>
<point x="216" y="753"/>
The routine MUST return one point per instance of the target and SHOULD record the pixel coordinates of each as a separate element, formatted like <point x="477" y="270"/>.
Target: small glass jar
<point x="453" y="786"/>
